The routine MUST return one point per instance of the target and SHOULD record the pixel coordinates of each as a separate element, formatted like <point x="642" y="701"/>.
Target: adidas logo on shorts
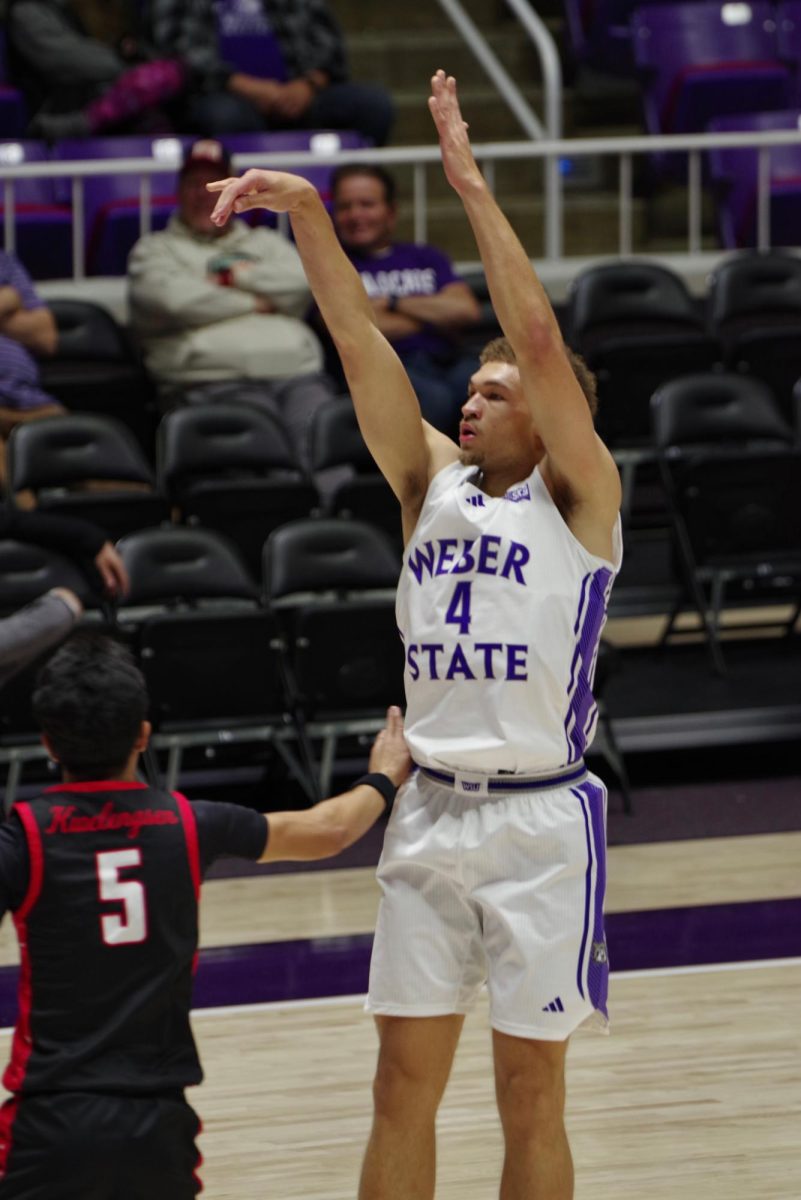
<point x="555" y="1006"/>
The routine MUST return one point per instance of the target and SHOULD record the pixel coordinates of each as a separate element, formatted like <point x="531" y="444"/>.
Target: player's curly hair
<point x="90" y="701"/>
<point x="500" y="350"/>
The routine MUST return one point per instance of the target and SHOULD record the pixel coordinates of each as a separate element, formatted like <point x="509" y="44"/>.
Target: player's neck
<point x="126" y="775"/>
<point x="497" y="481"/>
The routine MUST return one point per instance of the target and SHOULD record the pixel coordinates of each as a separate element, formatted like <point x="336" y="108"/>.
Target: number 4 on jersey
<point x="119" y="929"/>
<point x="459" y="608"/>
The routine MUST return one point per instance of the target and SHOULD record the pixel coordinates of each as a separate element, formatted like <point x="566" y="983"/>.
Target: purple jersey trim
<point x="590" y="616"/>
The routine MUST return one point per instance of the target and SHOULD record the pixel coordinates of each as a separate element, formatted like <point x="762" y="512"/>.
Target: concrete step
<point x="406" y="58"/>
<point x="487" y="114"/>
<point x="521" y="176"/>
<point x="591" y="225"/>
<point x="359" y="16"/>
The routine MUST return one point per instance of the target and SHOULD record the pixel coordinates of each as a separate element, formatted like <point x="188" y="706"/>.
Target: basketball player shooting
<point x="493" y="862"/>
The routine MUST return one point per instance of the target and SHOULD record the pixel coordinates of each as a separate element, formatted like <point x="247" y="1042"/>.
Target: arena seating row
<point x="229" y="468"/>
<point x="311" y="654"/>
<point x="635" y="323"/>
<point x="226" y="467"/>
<point x="606" y="33"/>
<point x="43" y="207"/>
<point x="637" y="326"/>
<point x="717" y="68"/>
<point x="307" y="659"/>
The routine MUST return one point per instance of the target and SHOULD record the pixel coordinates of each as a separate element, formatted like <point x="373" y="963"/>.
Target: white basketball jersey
<point x="501" y="610"/>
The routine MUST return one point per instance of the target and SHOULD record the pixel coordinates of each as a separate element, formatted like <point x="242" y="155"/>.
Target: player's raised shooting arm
<point x="332" y="825"/>
<point x="560" y="409"/>
<point x="385" y="403"/>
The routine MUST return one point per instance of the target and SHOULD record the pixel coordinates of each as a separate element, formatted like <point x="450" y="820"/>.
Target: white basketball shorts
<point x="505" y="888"/>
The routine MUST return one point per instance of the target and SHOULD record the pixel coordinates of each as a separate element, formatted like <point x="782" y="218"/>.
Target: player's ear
<point x="48" y="747"/>
<point x="145" y="729"/>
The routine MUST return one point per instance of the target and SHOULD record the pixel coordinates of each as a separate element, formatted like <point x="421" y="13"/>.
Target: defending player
<point x="493" y="863"/>
<point x="102" y="874"/>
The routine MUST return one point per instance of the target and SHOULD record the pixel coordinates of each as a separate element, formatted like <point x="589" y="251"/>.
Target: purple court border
<point x="338" y="966"/>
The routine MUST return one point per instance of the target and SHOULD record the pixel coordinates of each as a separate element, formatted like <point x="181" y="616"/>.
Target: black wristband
<point x="381" y="783"/>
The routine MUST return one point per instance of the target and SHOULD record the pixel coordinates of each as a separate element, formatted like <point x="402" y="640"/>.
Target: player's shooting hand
<point x="460" y="166"/>
<point x="275" y="190"/>
<point x="390" y="754"/>
<point x="112" y="571"/>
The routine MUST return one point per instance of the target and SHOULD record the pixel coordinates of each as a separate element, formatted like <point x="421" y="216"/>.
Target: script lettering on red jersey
<point x="65" y="819"/>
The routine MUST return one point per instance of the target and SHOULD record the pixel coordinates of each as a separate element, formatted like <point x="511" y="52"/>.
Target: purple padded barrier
<point x="43" y="227"/>
<point x="111" y="202"/>
<point x="246" y="40"/>
<point x="701" y="61"/>
<point x="291" y="141"/>
<point x="734" y="174"/>
<point x="788" y="33"/>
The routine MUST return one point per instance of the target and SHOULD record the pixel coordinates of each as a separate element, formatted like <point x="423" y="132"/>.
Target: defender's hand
<point x="390" y="754"/>
<point x="275" y="190"/>
<point x="460" y="166"/>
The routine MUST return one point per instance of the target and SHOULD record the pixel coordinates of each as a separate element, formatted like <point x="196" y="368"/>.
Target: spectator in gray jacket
<point x="218" y="310"/>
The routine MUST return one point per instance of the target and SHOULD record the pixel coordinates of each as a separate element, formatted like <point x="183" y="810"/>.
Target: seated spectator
<point x="219" y="310"/>
<point x="73" y="537"/>
<point x="79" y="85"/>
<point x="43" y="623"/>
<point x="316" y="93"/>
<point x="27" y="330"/>
<point x="421" y="305"/>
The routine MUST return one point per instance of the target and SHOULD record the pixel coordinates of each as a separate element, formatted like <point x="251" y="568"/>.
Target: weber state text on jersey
<point x="500" y="609"/>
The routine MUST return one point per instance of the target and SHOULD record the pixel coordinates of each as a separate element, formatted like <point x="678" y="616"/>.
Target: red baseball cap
<point x="207" y="152"/>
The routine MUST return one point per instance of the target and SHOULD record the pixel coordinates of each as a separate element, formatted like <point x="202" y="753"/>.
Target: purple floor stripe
<point x="299" y="970"/>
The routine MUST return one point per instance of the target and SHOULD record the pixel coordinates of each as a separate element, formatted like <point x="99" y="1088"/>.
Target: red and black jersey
<point x="108" y="931"/>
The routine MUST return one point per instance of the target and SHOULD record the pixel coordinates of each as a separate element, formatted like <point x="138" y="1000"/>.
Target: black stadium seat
<point x="211" y="656"/>
<point x="732" y="472"/>
<point x="96" y="369"/>
<point x="230" y="468"/>
<point x="331" y="584"/>
<point x="87" y="466"/>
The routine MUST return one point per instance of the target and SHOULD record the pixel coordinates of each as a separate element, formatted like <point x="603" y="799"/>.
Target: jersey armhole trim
<point x="35" y="857"/>
<point x="190" y="832"/>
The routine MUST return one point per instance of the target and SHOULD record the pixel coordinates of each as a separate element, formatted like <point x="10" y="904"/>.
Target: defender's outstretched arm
<point x="386" y="406"/>
<point x="330" y="826"/>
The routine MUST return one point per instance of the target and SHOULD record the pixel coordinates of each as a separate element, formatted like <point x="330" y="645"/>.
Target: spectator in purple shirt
<point x="421" y="304"/>
<point x="27" y="330"/>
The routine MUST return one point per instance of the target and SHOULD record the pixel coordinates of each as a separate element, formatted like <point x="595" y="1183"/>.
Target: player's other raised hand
<point x="460" y="166"/>
<point x="276" y="190"/>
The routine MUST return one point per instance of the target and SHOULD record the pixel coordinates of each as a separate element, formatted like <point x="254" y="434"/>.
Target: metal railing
<point x="551" y="68"/>
<point x="420" y="158"/>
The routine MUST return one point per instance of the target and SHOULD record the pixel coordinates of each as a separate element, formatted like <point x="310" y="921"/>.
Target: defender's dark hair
<point x="500" y="350"/>
<point x="351" y="170"/>
<point x="90" y="701"/>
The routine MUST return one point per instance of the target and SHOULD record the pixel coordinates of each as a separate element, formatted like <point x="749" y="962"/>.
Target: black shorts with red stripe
<point x="95" y="1146"/>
